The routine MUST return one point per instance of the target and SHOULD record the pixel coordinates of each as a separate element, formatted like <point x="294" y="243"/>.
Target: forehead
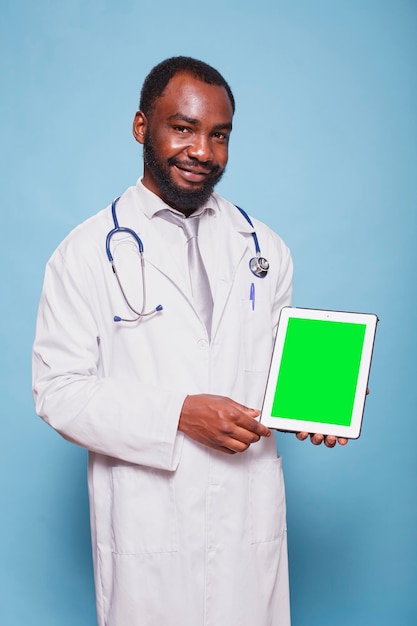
<point x="194" y="98"/>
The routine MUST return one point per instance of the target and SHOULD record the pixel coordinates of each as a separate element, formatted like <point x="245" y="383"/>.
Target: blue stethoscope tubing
<point x="258" y="265"/>
<point x="120" y="229"/>
<point x="131" y="232"/>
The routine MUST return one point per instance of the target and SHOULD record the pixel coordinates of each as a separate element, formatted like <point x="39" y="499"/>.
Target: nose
<point x="200" y="148"/>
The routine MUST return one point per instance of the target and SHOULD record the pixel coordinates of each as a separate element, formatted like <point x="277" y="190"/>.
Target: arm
<point x="107" y="412"/>
<point x="111" y="413"/>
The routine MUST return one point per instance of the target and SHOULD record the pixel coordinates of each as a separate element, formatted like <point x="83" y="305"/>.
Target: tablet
<point x="319" y="372"/>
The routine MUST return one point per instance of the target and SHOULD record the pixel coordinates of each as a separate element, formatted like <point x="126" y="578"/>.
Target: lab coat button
<point x="203" y="344"/>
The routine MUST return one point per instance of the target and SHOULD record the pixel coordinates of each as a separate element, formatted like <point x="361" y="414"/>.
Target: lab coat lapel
<point x="157" y="251"/>
<point x="234" y="238"/>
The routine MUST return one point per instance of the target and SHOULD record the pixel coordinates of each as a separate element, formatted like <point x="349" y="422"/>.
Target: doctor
<point x="186" y="489"/>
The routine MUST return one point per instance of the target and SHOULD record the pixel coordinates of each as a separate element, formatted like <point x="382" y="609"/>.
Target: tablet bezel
<point x="297" y="425"/>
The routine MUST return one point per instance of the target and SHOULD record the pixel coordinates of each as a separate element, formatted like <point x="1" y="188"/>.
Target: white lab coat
<point x="182" y="535"/>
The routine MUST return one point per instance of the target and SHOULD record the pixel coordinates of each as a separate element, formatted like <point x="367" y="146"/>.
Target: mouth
<point x="193" y="174"/>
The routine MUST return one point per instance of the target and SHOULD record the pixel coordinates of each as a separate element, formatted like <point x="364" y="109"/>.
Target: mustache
<point x="195" y="163"/>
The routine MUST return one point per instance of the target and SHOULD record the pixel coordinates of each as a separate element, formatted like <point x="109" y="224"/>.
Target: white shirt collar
<point x="151" y="204"/>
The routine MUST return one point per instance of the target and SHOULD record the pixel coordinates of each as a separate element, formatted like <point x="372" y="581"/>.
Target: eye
<point x="221" y="137"/>
<point x="181" y="129"/>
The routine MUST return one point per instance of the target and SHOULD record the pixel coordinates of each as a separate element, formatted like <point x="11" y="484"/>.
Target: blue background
<point x="324" y="150"/>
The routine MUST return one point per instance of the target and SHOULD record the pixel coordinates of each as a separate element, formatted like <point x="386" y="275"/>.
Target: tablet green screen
<point x="319" y="371"/>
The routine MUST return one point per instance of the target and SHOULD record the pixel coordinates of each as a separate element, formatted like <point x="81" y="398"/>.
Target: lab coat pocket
<point x="144" y="517"/>
<point x="267" y="501"/>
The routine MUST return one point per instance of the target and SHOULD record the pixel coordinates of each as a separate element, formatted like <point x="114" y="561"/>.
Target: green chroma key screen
<point x="319" y="371"/>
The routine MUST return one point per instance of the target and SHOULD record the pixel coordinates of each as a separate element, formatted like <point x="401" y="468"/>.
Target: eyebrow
<point x="191" y="120"/>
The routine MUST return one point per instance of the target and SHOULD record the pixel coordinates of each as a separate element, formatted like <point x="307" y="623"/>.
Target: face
<point x="185" y="140"/>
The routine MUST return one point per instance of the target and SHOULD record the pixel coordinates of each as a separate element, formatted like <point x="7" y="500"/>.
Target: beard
<point x="185" y="200"/>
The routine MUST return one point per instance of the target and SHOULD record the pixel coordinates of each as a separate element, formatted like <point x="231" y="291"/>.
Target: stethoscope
<point x="258" y="265"/>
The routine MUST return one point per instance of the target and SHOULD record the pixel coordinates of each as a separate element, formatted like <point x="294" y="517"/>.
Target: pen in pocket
<point x="252" y="296"/>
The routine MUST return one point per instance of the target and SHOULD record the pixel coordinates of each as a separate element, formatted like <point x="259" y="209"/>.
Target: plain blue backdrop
<point x="324" y="150"/>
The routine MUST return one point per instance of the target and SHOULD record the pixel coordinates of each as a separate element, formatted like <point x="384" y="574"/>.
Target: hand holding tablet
<point x="319" y="372"/>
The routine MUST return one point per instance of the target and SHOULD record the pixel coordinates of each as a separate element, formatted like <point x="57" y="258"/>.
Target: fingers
<point x="317" y="439"/>
<point x="239" y="436"/>
<point x="342" y="441"/>
<point x="241" y="422"/>
<point x="256" y="427"/>
<point x="221" y="423"/>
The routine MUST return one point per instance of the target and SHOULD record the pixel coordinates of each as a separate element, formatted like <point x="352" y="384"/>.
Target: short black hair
<point x="159" y="77"/>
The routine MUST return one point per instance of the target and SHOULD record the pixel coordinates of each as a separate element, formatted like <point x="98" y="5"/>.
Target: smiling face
<point x="185" y="139"/>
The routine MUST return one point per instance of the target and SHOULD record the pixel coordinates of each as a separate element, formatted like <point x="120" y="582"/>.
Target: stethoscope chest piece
<point x="259" y="266"/>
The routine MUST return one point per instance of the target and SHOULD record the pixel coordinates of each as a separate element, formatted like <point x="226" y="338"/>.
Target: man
<point x="185" y="531"/>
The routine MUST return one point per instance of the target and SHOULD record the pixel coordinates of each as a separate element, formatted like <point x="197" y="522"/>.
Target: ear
<point x="140" y="124"/>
